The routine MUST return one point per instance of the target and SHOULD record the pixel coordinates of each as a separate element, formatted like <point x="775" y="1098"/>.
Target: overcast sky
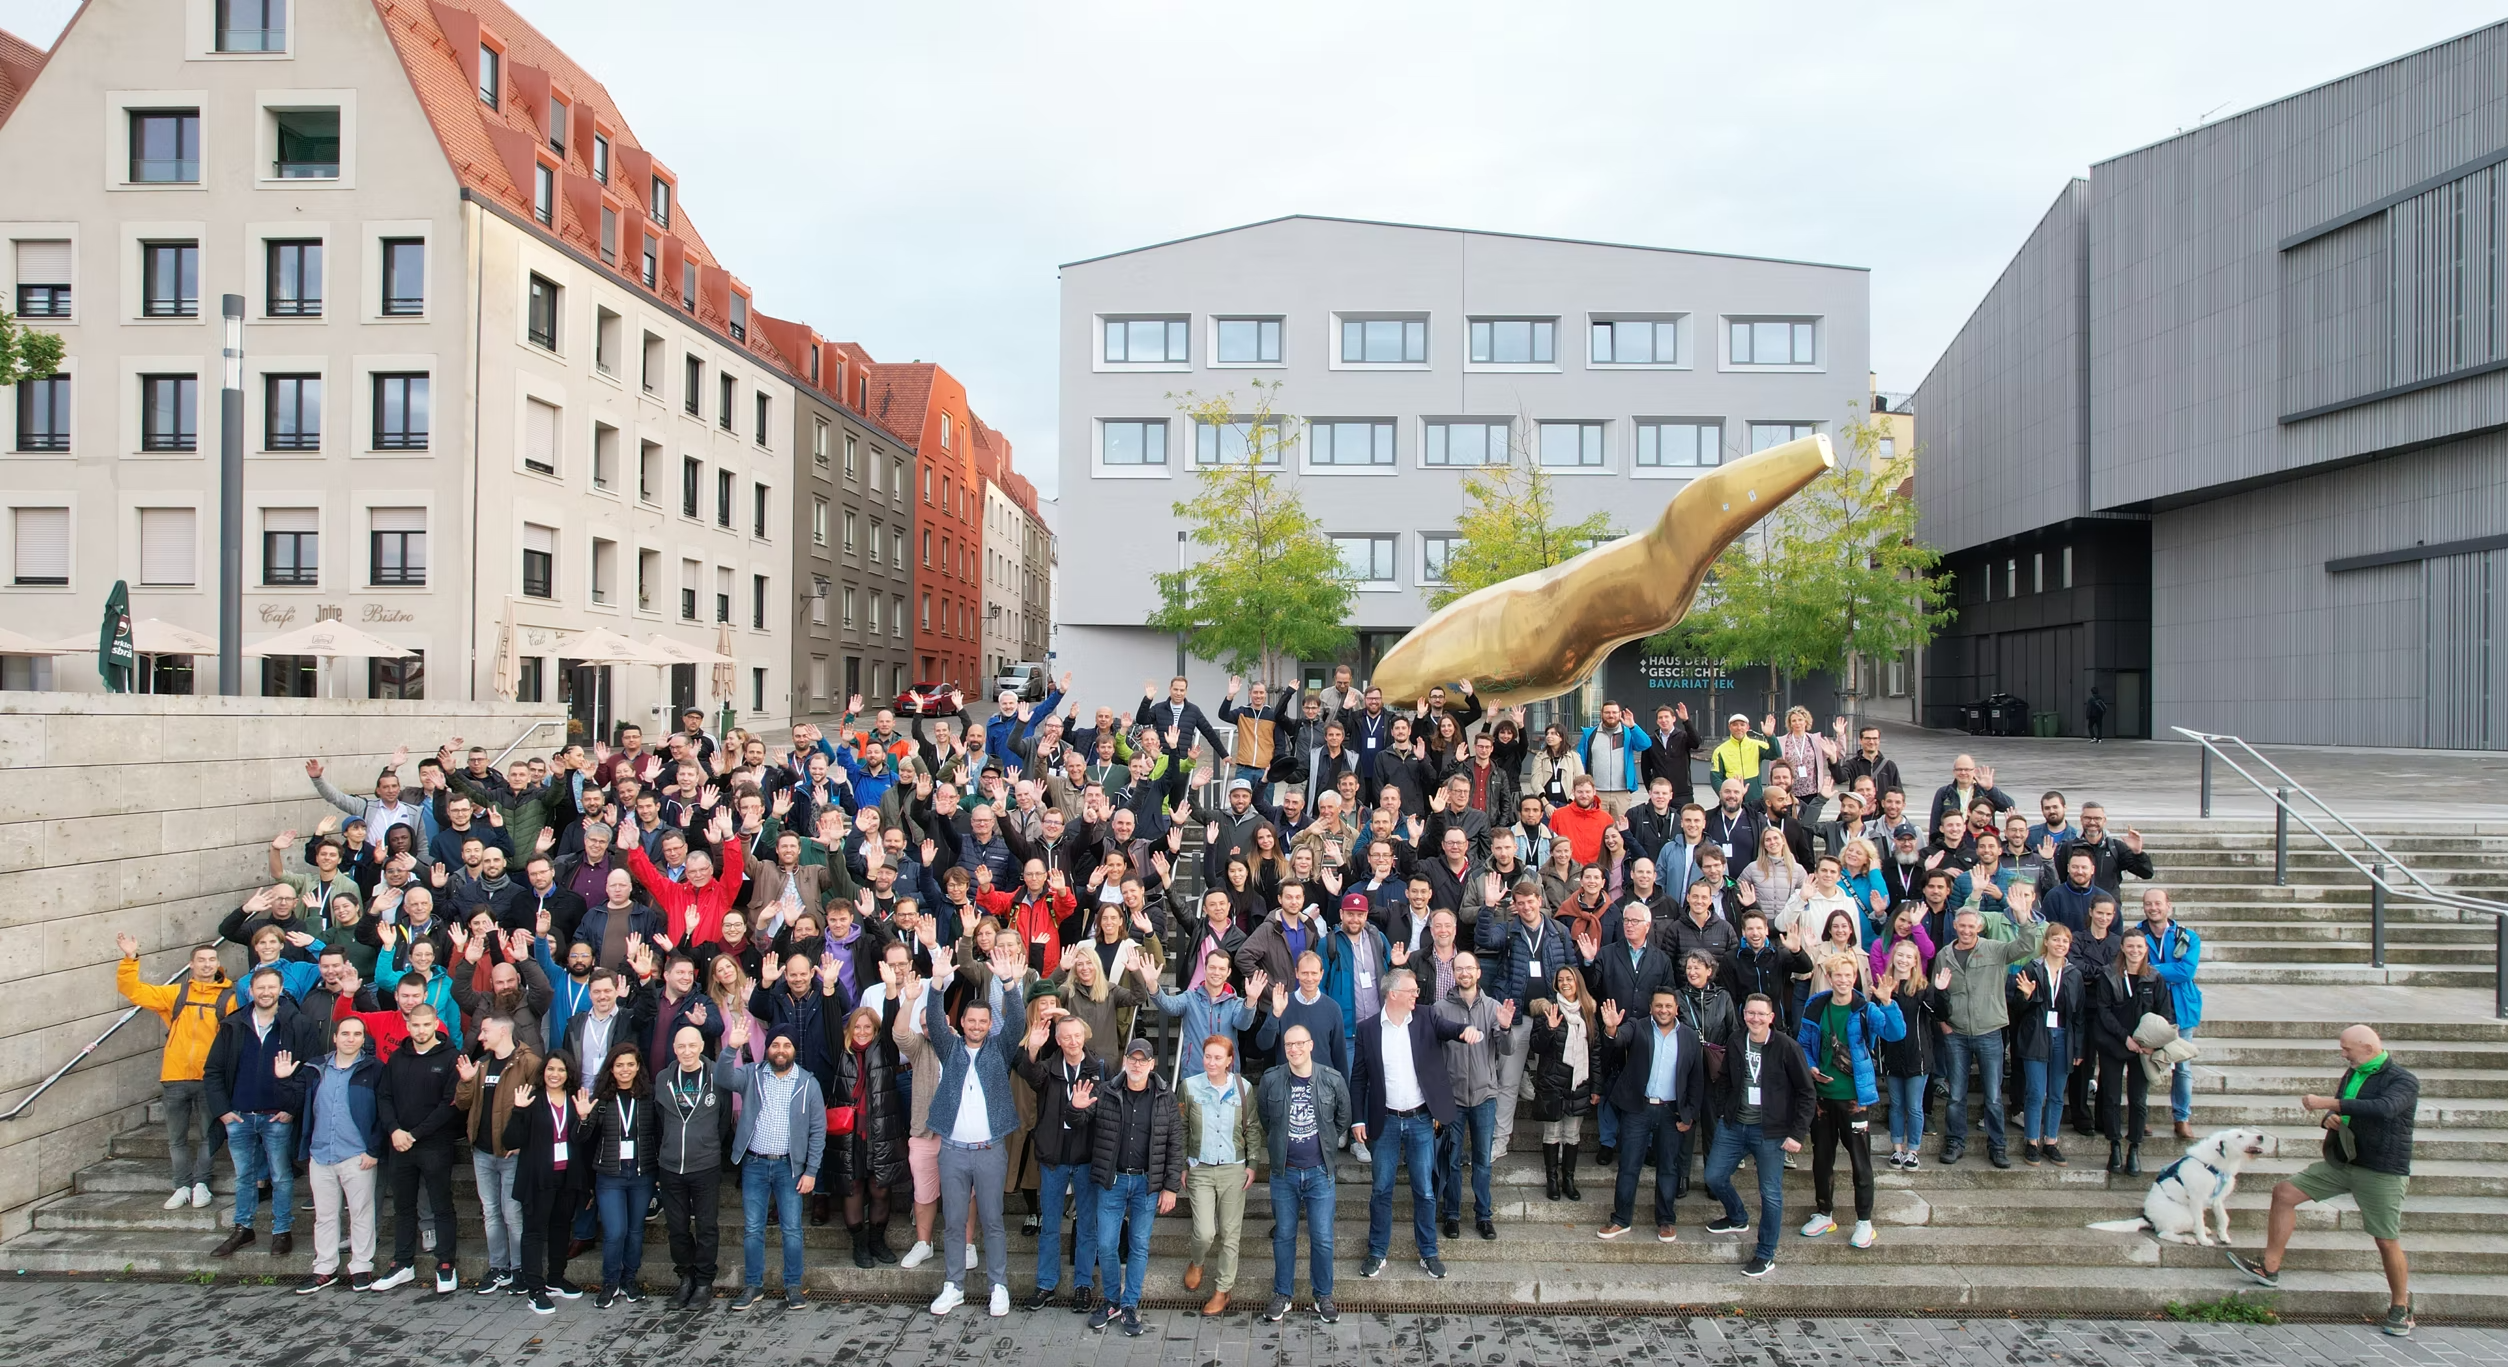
<point x="910" y="175"/>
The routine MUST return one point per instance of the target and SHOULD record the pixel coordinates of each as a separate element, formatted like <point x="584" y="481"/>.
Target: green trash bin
<point x="2047" y="724"/>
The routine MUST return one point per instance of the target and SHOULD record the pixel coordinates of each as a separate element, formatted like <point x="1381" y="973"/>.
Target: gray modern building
<point x="2229" y="437"/>
<point x="1407" y="357"/>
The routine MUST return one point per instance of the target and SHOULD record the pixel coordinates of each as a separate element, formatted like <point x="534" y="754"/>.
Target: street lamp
<point x="231" y="502"/>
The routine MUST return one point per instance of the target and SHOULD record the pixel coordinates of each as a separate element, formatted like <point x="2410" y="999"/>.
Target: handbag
<point x="840" y="1120"/>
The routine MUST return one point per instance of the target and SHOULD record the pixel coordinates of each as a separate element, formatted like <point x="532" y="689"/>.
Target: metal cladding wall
<point x="2005" y="413"/>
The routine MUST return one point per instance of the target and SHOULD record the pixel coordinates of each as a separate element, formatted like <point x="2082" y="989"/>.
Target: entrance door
<point x="586" y="690"/>
<point x="2465" y="651"/>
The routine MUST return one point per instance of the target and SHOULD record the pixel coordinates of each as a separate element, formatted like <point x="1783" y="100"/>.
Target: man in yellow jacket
<point x="191" y="1010"/>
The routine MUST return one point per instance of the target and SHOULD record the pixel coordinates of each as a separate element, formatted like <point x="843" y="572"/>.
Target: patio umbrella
<point x="601" y="646"/>
<point x="116" y="658"/>
<point x="684" y="654"/>
<point x="13" y="644"/>
<point x="332" y="640"/>
<point x="155" y="636"/>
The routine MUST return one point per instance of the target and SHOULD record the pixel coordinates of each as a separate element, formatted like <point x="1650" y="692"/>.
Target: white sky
<point x="909" y="175"/>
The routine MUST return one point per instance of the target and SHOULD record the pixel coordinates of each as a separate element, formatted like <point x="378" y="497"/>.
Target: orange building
<point x="922" y="400"/>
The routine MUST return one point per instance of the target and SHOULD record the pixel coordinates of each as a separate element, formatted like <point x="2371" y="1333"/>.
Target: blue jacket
<point x="999" y="729"/>
<point x="2175" y="956"/>
<point x="1001" y="1111"/>
<point x="1524" y="971"/>
<point x="807" y="1113"/>
<point x="363" y="1077"/>
<point x="1203" y="1018"/>
<point x="1341" y="979"/>
<point x="868" y="788"/>
<point x="392" y="965"/>
<point x="1869" y="1024"/>
<point x="1632" y="740"/>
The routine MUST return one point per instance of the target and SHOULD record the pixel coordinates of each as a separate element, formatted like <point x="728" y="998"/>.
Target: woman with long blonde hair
<point x="1562" y="1062"/>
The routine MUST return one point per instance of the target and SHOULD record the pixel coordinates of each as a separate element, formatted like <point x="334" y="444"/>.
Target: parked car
<point x="1027" y="678"/>
<point x="927" y="700"/>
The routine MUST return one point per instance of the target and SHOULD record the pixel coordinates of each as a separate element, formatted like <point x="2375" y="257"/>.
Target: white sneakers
<point x="200" y="1196"/>
<point x="916" y="1256"/>
<point x="1001" y="1300"/>
<point x="1818" y="1225"/>
<point x="950" y="1298"/>
<point x="972" y="1262"/>
<point x="1863" y="1235"/>
<point x="182" y="1197"/>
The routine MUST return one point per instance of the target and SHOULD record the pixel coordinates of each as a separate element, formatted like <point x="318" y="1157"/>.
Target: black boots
<point x="2115" y="1156"/>
<point x="1567" y="1173"/>
<point x="880" y="1251"/>
<point x="1550" y="1171"/>
<point x="861" y="1245"/>
<point x="2133" y="1160"/>
<point x="821" y="1205"/>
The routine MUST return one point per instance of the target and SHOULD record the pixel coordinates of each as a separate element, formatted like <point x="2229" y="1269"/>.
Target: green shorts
<point x="2380" y="1194"/>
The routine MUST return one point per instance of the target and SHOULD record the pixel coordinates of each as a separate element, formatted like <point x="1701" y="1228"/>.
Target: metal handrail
<point x="92" y="1046"/>
<point x="499" y="761"/>
<point x="2380" y="885"/>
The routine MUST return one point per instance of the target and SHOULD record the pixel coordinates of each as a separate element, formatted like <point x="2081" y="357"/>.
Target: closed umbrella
<point x="508" y="654"/>
<point x="724" y="686"/>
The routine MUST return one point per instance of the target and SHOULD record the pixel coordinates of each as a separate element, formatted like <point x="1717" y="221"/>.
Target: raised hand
<point x="1506" y="1014"/>
<point x="283" y="839"/>
<point x="2027" y="985"/>
<point x="1612" y="1015"/>
<point x="437" y="874"/>
<point x="545" y="841"/>
<point x="1234" y="683"/>
<point x="1942" y="978"/>
<point x="1279" y="998"/>
<point x="313" y="768"/>
<point x="782" y="805"/>
<point x="1589" y="945"/>
<point x="465" y="1067"/>
<point x="128" y="944"/>
<point x="853" y="704"/>
<point x="525" y="1094"/>
<point x="1985" y="775"/>
<point x="583" y="1105"/>
<point x="736" y="1032"/>
<point x="1401" y="954"/>
<point x="707" y="794"/>
<point x="1083" y="1094"/>
<point x="2133" y="840"/>
<point x="1437" y="800"/>
<point x="1493" y="889"/>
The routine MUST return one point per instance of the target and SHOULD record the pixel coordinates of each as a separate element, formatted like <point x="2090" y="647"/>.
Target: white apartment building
<point x="497" y="390"/>
<point x="1407" y="357"/>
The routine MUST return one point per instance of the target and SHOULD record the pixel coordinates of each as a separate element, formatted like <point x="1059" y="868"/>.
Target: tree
<point x="1267" y="585"/>
<point x="1510" y="526"/>
<point x="26" y="354"/>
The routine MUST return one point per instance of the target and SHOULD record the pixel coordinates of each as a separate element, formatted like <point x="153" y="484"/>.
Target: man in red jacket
<point x="1035" y="910"/>
<point x="1582" y="822"/>
<point x="692" y="912"/>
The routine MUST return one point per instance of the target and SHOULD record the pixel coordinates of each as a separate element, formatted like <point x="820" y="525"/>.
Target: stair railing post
<point x="2281" y="837"/>
<point x="2207" y="781"/>
<point x="2377" y="915"/>
<point x="2499" y="966"/>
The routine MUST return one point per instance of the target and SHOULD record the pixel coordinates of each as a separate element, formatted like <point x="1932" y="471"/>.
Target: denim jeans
<point x="497" y="1207"/>
<point x="1475" y="1125"/>
<point x="1055" y="1182"/>
<point x="1606" y="1122"/>
<point x="1655" y="1129"/>
<point x="1988" y="1050"/>
<point x="185" y="1102"/>
<point x="1725" y="1158"/>
<point x="764" y="1179"/>
<point x="1408" y="1141"/>
<point x="1907" y="1110"/>
<point x="1131" y="1196"/>
<point x="1301" y="1194"/>
<point x="2181" y="1085"/>
<point x="265" y="1148"/>
<point x="621" y="1201"/>
<point x="2042" y="1089"/>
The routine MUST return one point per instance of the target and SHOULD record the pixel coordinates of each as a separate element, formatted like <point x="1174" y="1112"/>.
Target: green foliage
<point x="201" y="1278"/>
<point x="2233" y="1308"/>
<point x="1266" y="585"/>
<point x="1510" y="526"/>
<point x="26" y="354"/>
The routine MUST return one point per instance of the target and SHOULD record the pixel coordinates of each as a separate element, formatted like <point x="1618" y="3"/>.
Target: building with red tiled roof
<point x="922" y="398"/>
<point x="19" y="61"/>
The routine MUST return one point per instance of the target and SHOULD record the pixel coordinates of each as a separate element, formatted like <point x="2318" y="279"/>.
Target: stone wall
<point x="153" y="815"/>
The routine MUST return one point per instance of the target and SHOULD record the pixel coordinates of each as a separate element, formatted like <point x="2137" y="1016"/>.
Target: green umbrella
<point x="115" y="659"/>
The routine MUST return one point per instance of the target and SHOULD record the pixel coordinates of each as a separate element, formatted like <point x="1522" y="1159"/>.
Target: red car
<point x="928" y="700"/>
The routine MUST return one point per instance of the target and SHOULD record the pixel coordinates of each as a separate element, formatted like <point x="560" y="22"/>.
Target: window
<point x="169" y="547"/>
<point x="851" y="454"/>
<point x="43" y="414"/>
<point x="897" y="486"/>
<point x="1679" y="443"/>
<point x="43" y="547"/>
<point x="608" y="335"/>
<point x="293" y="280"/>
<point x="948" y="430"/>
<point x="1125" y="443"/>
<point x="601" y="157"/>
<point x="896" y="547"/>
<point x="544" y="192"/>
<point x="692" y="396"/>
<point x="539" y="561"/>
<point x="648" y="569"/>
<point x="1888" y="448"/>
<point x="689" y="471"/>
<point x="288" y="547"/>
<point x="1466" y="442"/>
<point x="818" y="521"/>
<point x="897" y="618"/>
<point x="763" y="413"/>
<point x="540" y="437"/>
<point x="400" y="412"/>
<point x="927" y="548"/>
<point x="1234" y="443"/>
<point x="2011" y="578"/>
<point x="722" y="594"/>
<point x="849" y="602"/>
<point x="557" y="124"/>
<point x="604" y="455"/>
<point x="1766" y="434"/>
<point x="649" y="370"/>
<point x="308" y="144"/>
<point x="1637" y="342"/>
<point x="165" y="146"/>
<point x="1774" y="341"/>
<point x="875" y="612"/>
<point x="2037" y="572"/>
<point x="1434" y="547"/>
<point x="723" y="484"/>
<point x="740" y="317"/>
<point x="661" y="202"/>
<point x="1346" y="443"/>
<point x="404" y="679"/>
<point x="757" y="690"/>
<point x="1514" y="341"/>
<point x="490" y="60"/>
<point x="252" y="25"/>
<point x="609" y="236"/>
<point x="927" y="613"/>
<point x="1384" y="341"/>
<point x="757" y="602"/>
<point x="818" y="673"/>
<point x="1572" y="445"/>
<point x="543" y="322"/>
<point x="1367" y="559"/>
<point x="875" y="535"/>
<point x="648" y="470"/>
<point x="688" y="285"/>
<point x="529" y="683"/>
<point x="690" y="573"/>
<point x="1148" y="341"/>
<point x="170" y="279"/>
<point x="757" y="511"/>
<point x="1249" y="341"/>
<point x="604" y="571"/>
<point x="819" y="445"/>
<point x="404" y="276"/>
<point x="291" y="413"/>
<point x="288" y="676"/>
<point x="853" y="674"/>
<point x="169" y="412"/>
<point x="43" y="279"/>
<point x="653" y="264"/>
<point x="2065" y="560"/>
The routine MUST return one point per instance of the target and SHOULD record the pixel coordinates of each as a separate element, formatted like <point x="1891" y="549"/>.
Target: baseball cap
<point x="1140" y="1047"/>
<point x="1355" y="901"/>
<point x="1240" y="785"/>
<point x="1737" y="717"/>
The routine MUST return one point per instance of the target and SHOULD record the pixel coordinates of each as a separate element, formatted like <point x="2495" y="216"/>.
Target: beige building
<point x="496" y="388"/>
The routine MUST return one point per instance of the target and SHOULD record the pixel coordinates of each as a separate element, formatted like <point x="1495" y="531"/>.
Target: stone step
<point x="1806" y="1282"/>
<point x="2482" y="1215"/>
<point x="2205" y="914"/>
<point x="2319" y="953"/>
<point x="2437" y="1084"/>
<point x="2282" y="973"/>
<point x="2226" y="1050"/>
<point x="2456" y="936"/>
<point x="2227" y="1021"/>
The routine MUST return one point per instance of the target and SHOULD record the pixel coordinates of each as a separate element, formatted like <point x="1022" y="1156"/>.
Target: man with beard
<point x="780" y="1142"/>
<point x="485" y="1094"/>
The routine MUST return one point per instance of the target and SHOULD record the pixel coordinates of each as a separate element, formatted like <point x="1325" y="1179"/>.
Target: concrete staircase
<point x="1964" y="1239"/>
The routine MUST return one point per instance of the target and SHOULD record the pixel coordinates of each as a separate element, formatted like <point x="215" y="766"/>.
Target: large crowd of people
<point x="925" y="976"/>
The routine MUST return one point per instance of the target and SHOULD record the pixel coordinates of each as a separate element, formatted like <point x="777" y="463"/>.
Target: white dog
<point x="2200" y="1181"/>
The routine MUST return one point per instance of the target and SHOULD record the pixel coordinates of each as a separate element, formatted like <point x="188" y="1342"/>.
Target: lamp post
<point x="231" y="502"/>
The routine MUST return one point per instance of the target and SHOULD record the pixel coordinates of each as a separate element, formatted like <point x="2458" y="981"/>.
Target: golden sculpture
<point x="1539" y="635"/>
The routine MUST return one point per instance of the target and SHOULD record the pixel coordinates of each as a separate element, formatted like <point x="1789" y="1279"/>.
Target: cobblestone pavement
<point x="130" y="1324"/>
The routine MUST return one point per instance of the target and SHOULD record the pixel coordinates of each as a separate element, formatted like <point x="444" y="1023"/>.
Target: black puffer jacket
<point x="2380" y="1122"/>
<point x="1709" y="1011"/>
<point x="878" y="1142"/>
<point x="1166" y="1147"/>
<point x="1555" y="1093"/>
<point x="2118" y="1003"/>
